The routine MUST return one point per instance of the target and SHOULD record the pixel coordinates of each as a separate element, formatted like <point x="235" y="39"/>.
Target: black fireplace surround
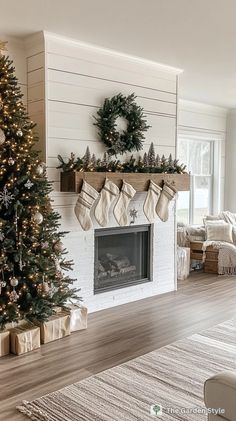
<point x="122" y="257"/>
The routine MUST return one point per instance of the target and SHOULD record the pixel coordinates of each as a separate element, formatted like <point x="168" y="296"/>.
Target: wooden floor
<point x="115" y="336"/>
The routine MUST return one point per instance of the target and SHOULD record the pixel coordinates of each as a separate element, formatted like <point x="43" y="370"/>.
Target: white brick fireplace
<point x="81" y="249"/>
<point x="67" y="83"/>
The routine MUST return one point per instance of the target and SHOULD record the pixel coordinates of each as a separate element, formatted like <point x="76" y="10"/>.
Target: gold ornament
<point x="37" y="218"/>
<point x="59" y="246"/>
<point x="14" y="281"/>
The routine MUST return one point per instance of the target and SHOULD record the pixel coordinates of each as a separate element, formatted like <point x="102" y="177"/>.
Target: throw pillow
<point x="219" y="232"/>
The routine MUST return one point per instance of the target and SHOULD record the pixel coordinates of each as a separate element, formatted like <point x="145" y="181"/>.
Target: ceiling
<point x="198" y="36"/>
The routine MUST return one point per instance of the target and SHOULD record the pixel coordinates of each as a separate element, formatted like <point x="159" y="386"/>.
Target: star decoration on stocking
<point x="133" y="214"/>
<point x="28" y="184"/>
<point x="6" y="197"/>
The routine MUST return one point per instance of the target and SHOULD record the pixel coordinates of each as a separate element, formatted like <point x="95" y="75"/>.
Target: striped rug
<point x="172" y="376"/>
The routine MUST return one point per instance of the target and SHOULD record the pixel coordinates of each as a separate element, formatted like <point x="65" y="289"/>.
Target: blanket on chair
<point x="226" y="257"/>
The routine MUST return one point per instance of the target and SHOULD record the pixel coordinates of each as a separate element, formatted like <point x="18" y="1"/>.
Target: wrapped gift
<point x="56" y="327"/>
<point x="78" y="316"/>
<point x="25" y="338"/>
<point x="4" y="342"/>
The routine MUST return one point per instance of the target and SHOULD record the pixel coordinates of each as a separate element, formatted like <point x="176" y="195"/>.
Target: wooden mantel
<point x="72" y="181"/>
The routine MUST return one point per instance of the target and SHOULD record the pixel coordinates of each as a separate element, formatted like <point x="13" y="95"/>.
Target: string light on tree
<point x="29" y="282"/>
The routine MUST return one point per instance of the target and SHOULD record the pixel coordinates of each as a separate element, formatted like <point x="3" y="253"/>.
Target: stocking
<point x="85" y="201"/>
<point x="150" y="203"/>
<point x="109" y="192"/>
<point x="167" y="194"/>
<point x="120" y="209"/>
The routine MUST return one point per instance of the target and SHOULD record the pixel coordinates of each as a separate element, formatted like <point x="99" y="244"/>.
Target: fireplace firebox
<point x="122" y="257"/>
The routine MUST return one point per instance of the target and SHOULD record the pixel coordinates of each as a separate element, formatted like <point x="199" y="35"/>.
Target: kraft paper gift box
<point x="24" y="339"/>
<point x="56" y="327"/>
<point x="78" y="316"/>
<point x="4" y="342"/>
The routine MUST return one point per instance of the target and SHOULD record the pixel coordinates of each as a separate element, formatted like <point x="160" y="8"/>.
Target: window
<point x="198" y="156"/>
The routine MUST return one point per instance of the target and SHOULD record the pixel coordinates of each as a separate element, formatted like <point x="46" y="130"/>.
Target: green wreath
<point x="132" y="138"/>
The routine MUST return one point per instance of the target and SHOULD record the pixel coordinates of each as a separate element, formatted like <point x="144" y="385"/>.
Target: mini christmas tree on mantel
<point x="32" y="257"/>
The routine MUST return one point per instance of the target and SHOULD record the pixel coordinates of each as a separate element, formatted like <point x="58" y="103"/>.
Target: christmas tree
<point x="87" y="159"/>
<point x="31" y="251"/>
<point x="151" y="156"/>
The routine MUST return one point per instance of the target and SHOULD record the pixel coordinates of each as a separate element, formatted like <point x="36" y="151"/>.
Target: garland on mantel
<point x="148" y="163"/>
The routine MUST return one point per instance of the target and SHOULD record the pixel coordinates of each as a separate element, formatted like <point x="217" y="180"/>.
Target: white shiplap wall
<point x="67" y="83"/>
<point x="203" y="121"/>
<point x="79" y="77"/>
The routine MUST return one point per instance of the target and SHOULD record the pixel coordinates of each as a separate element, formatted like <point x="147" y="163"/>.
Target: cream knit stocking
<point x="109" y="192"/>
<point x="167" y="194"/>
<point x="151" y="200"/>
<point x="120" y="209"/>
<point x="85" y="201"/>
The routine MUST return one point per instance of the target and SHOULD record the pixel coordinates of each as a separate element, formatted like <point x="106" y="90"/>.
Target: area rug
<point x="169" y="379"/>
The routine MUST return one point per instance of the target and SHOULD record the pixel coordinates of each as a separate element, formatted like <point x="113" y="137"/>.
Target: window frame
<point x="212" y="142"/>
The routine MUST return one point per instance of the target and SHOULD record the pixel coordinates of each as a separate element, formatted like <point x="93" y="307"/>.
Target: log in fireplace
<point x="122" y="257"/>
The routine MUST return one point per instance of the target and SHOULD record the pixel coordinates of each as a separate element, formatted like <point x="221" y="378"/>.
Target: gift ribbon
<point x="56" y="329"/>
<point x="3" y="341"/>
<point x="27" y="341"/>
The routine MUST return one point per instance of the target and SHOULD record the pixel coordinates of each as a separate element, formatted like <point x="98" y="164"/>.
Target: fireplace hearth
<point x="122" y="257"/>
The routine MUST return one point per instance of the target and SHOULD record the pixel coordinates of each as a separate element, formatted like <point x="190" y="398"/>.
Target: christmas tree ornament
<point x="21" y="262"/>
<point x="39" y="169"/>
<point x="108" y="194"/>
<point x="45" y="245"/>
<point x="6" y="197"/>
<point x="13" y="296"/>
<point x="19" y="133"/>
<point x="57" y="264"/>
<point x="45" y="287"/>
<point x="2" y="137"/>
<point x="167" y="194"/>
<point x="2" y="285"/>
<point x="14" y="281"/>
<point x="85" y="201"/>
<point x="151" y="200"/>
<point x="37" y="218"/>
<point x="121" y="207"/>
<point x="59" y="246"/>
<point x="28" y="184"/>
<point x="11" y="161"/>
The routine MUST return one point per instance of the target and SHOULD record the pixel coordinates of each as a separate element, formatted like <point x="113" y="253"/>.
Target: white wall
<point x="230" y="173"/>
<point x="203" y="121"/>
<point x="71" y="80"/>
